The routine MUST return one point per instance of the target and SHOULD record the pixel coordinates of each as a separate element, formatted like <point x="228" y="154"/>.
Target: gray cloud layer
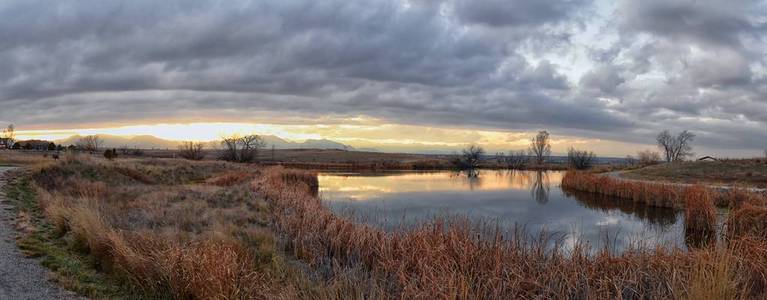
<point x="698" y="65"/>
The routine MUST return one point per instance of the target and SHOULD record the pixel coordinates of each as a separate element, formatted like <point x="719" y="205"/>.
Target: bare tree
<point x="251" y="145"/>
<point x="231" y="151"/>
<point x="192" y="150"/>
<point x="241" y="148"/>
<point x="470" y="157"/>
<point x="648" y="157"/>
<point x="9" y="133"/>
<point x="666" y="144"/>
<point x="90" y="143"/>
<point x="540" y="147"/>
<point x="675" y="148"/>
<point x="580" y="159"/>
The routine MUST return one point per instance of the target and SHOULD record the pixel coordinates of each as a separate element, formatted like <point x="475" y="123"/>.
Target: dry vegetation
<point x="652" y="194"/>
<point x="211" y="230"/>
<point x="167" y="228"/>
<point x="452" y="259"/>
<point x="746" y="172"/>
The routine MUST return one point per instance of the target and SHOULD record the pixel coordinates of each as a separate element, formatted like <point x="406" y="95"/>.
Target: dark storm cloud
<point x="517" y="12"/>
<point x="474" y="63"/>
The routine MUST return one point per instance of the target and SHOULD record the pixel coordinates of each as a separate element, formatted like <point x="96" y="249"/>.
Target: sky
<point x="396" y="75"/>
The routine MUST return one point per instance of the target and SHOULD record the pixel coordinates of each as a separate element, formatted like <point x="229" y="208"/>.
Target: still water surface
<point x="535" y="200"/>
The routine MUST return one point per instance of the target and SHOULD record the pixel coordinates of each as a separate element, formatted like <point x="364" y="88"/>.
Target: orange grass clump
<point x="748" y="220"/>
<point x="700" y="213"/>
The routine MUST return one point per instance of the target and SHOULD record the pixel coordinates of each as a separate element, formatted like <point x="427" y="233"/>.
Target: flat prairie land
<point x="330" y="159"/>
<point x="737" y="172"/>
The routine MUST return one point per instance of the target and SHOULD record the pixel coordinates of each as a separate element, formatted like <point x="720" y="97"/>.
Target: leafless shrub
<point x="580" y="159"/>
<point x="675" y="148"/>
<point x="648" y="157"/>
<point x="241" y="148"/>
<point x="540" y="147"/>
<point x="90" y="143"/>
<point x="515" y="159"/>
<point x="470" y="157"/>
<point x="110" y="154"/>
<point x="192" y="150"/>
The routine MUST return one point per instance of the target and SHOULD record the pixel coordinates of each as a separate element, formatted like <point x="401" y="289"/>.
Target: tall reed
<point x="748" y="220"/>
<point x="699" y="216"/>
<point x="648" y="193"/>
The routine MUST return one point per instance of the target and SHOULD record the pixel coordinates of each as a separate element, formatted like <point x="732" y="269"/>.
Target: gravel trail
<point x="21" y="277"/>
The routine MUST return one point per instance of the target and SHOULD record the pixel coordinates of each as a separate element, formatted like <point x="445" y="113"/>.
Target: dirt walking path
<point x="21" y="277"/>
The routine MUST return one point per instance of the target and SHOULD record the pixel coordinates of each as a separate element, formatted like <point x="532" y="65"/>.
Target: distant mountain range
<point x="280" y="143"/>
<point x="153" y="142"/>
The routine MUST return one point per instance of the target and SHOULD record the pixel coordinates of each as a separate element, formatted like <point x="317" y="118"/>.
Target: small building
<point x="707" y="158"/>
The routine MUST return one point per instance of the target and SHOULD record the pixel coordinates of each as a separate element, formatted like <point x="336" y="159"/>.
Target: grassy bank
<point x="168" y="228"/>
<point x="158" y="229"/>
<point x="660" y="194"/>
<point x="734" y="172"/>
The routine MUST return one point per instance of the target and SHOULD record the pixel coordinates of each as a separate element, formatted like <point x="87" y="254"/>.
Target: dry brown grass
<point x="178" y="240"/>
<point x="454" y="260"/>
<point x="25" y="158"/>
<point x="700" y="213"/>
<point x="652" y="194"/>
<point x="184" y="236"/>
<point x="231" y="178"/>
<point x="747" y="172"/>
<point x="748" y="220"/>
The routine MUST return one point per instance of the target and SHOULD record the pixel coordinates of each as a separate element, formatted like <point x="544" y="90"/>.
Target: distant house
<point x="6" y="143"/>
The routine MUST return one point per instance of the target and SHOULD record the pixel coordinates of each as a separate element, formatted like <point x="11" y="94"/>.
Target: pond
<point x="532" y="200"/>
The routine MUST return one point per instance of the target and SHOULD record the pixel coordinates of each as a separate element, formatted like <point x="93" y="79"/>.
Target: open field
<point x="198" y="230"/>
<point x="313" y="159"/>
<point x="737" y="172"/>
